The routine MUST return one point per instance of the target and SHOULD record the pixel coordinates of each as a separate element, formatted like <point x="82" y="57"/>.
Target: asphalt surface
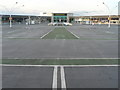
<point x="75" y="77"/>
<point x="23" y="41"/>
<point x="27" y="77"/>
<point x="92" y="77"/>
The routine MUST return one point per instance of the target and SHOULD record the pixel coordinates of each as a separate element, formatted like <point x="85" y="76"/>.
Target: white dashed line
<point x="54" y="84"/>
<point x="63" y="83"/>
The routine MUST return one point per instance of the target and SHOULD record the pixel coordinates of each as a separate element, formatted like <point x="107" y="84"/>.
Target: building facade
<point x="62" y="17"/>
<point x="103" y="19"/>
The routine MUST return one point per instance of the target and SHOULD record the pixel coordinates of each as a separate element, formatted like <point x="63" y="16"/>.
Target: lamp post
<point x="10" y="12"/>
<point x="108" y="15"/>
<point x="10" y="18"/>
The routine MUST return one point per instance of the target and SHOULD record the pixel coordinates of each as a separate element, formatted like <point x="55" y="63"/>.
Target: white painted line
<point x="64" y="58"/>
<point x="10" y="31"/>
<point x="46" y="34"/>
<point x="12" y="65"/>
<point x="10" y="37"/>
<point x="91" y="65"/>
<point x="109" y="32"/>
<point x="54" y="84"/>
<point x="63" y="83"/>
<point x="73" y="33"/>
<point x="86" y="58"/>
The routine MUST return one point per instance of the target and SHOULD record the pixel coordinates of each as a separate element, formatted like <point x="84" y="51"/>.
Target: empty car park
<point x="37" y="56"/>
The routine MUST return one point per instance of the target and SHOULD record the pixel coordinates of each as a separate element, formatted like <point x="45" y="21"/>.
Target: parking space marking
<point x="109" y="32"/>
<point x="63" y="83"/>
<point x="73" y="34"/>
<point x="63" y="58"/>
<point x="91" y="65"/>
<point x="12" y="65"/>
<point x="10" y="31"/>
<point x="54" y="84"/>
<point x="46" y="34"/>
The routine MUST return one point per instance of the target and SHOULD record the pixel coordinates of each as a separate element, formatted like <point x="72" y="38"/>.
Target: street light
<point x="109" y="24"/>
<point x="10" y="11"/>
<point x="10" y="18"/>
<point x="109" y="14"/>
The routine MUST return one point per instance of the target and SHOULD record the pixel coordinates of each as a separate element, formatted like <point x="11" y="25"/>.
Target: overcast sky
<point x="79" y="7"/>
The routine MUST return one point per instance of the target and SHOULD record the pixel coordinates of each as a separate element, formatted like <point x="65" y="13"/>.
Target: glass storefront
<point x="60" y="17"/>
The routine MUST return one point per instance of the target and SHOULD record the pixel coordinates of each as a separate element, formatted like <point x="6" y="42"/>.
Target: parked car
<point x="67" y="24"/>
<point x="52" y="24"/>
<point x="60" y="24"/>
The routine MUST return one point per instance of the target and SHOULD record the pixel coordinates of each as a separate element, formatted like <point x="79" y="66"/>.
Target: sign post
<point x="109" y="22"/>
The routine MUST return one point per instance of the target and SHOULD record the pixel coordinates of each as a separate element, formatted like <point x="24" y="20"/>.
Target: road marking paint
<point x="59" y="65"/>
<point x="54" y="84"/>
<point x="10" y="31"/>
<point x="63" y="58"/>
<point x="109" y="32"/>
<point x="73" y="34"/>
<point x="91" y="65"/>
<point x="63" y="83"/>
<point x="46" y="34"/>
<point x="9" y="37"/>
<point x="28" y="65"/>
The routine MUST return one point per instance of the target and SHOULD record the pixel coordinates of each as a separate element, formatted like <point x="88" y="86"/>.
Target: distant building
<point x="61" y="17"/>
<point x="103" y="19"/>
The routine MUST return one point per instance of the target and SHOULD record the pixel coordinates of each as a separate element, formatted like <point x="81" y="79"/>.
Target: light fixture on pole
<point x="109" y="25"/>
<point x="10" y="18"/>
<point x="10" y="12"/>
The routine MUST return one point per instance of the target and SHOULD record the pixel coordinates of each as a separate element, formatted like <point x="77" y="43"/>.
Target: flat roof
<point x="102" y="16"/>
<point x="97" y="16"/>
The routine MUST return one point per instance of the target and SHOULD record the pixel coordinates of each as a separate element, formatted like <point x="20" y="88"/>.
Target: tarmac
<point x="59" y="77"/>
<point x="24" y="42"/>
